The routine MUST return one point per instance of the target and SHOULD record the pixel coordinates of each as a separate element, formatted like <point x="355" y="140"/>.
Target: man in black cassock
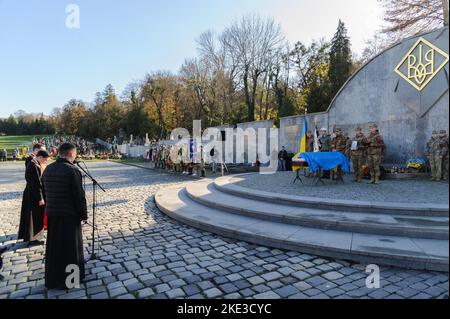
<point x="31" y="227"/>
<point x="66" y="209"/>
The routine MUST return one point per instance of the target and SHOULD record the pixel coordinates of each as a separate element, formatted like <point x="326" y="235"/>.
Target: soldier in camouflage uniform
<point x="358" y="153"/>
<point x="433" y="149"/>
<point x="325" y="141"/>
<point x="443" y="145"/>
<point x="340" y="144"/>
<point x="325" y="146"/>
<point x="375" y="144"/>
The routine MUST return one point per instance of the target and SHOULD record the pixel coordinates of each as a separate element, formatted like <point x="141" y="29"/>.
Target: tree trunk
<point x="248" y="99"/>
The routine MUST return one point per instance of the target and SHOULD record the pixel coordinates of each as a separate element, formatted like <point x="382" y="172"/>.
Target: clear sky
<point x="43" y="64"/>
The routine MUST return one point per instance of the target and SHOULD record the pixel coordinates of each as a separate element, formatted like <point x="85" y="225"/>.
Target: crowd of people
<point x="359" y="149"/>
<point x="184" y="158"/>
<point x="52" y="143"/>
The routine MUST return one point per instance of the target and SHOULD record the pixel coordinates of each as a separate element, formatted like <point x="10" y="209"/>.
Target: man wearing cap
<point x="433" y="148"/>
<point x="358" y="153"/>
<point x="375" y="144"/>
<point x="444" y="152"/>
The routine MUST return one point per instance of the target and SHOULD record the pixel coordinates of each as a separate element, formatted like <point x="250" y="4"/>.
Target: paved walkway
<point x="404" y="191"/>
<point x="155" y="257"/>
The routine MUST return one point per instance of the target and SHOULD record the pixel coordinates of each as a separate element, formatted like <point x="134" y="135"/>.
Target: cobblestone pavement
<point x="153" y="256"/>
<point x="406" y="191"/>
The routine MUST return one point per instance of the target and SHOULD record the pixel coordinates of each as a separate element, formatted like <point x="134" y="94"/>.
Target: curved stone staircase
<point x="396" y="234"/>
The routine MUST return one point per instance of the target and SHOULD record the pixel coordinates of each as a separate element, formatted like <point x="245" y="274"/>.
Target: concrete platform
<point x="421" y="226"/>
<point x="407" y="236"/>
<point x="228" y="184"/>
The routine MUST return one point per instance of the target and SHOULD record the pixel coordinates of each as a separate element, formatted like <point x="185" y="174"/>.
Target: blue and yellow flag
<point x="303" y="136"/>
<point x="302" y="140"/>
<point x="296" y="158"/>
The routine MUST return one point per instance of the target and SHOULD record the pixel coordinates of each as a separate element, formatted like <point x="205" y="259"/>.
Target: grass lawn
<point x="11" y="142"/>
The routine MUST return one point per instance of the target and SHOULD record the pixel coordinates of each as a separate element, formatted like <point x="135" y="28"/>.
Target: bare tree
<point x="254" y="41"/>
<point x="158" y="90"/>
<point x="374" y="46"/>
<point x="199" y="79"/>
<point x="410" y="17"/>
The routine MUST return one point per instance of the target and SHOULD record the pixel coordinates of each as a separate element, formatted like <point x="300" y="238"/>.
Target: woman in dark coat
<point x="31" y="227"/>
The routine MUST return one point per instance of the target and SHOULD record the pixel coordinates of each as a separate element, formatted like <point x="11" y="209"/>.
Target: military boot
<point x="377" y="181"/>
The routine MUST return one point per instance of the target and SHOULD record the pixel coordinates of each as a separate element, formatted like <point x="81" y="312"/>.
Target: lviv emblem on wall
<point x="421" y="64"/>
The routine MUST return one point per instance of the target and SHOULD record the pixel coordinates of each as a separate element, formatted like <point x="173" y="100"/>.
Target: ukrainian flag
<point x="302" y="143"/>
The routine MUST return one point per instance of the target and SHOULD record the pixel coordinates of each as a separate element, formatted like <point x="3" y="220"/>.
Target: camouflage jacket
<point x="325" y="143"/>
<point x="443" y="146"/>
<point x="340" y="144"/>
<point x="362" y="145"/>
<point x="433" y="146"/>
<point x="375" y="144"/>
<point x="310" y="144"/>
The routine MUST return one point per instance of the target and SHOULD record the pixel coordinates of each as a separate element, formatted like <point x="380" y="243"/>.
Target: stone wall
<point x="376" y="93"/>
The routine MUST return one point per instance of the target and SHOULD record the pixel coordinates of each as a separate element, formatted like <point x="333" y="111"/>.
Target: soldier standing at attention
<point x="358" y="153"/>
<point x="443" y="145"/>
<point x="375" y="150"/>
<point x="340" y="144"/>
<point x="309" y="142"/>
<point x="433" y="155"/>
<point x="325" y="141"/>
<point x="325" y="146"/>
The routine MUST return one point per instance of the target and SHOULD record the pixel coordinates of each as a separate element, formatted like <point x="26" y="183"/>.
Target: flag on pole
<point x="316" y="140"/>
<point x="303" y="136"/>
<point x="296" y="158"/>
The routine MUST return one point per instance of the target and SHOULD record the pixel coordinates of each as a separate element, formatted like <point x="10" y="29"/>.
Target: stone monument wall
<point x="406" y="108"/>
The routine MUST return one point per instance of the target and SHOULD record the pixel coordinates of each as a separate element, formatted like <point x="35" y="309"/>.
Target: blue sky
<point x="43" y="64"/>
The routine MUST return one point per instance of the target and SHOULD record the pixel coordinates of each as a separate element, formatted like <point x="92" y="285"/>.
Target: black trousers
<point x="64" y="248"/>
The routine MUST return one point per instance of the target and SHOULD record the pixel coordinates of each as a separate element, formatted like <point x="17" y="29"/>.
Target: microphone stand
<point x="95" y="184"/>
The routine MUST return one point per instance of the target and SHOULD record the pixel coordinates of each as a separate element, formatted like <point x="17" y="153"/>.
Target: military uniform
<point x="325" y="146"/>
<point x="325" y="143"/>
<point x="444" y="152"/>
<point x="375" y="144"/>
<point x="340" y="144"/>
<point x="358" y="155"/>
<point x="309" y="144"/>
<point x="433" y="148"/>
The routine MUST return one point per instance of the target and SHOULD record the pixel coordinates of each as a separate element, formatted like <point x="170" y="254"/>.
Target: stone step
<point x="206" y="194"/>
<point x="412" y="253"/>
<point x="228" y="185"/>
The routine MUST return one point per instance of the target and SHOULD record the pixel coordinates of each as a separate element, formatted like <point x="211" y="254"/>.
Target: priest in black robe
<point x="31" y="227"/>
<point x="66" y="209"/>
